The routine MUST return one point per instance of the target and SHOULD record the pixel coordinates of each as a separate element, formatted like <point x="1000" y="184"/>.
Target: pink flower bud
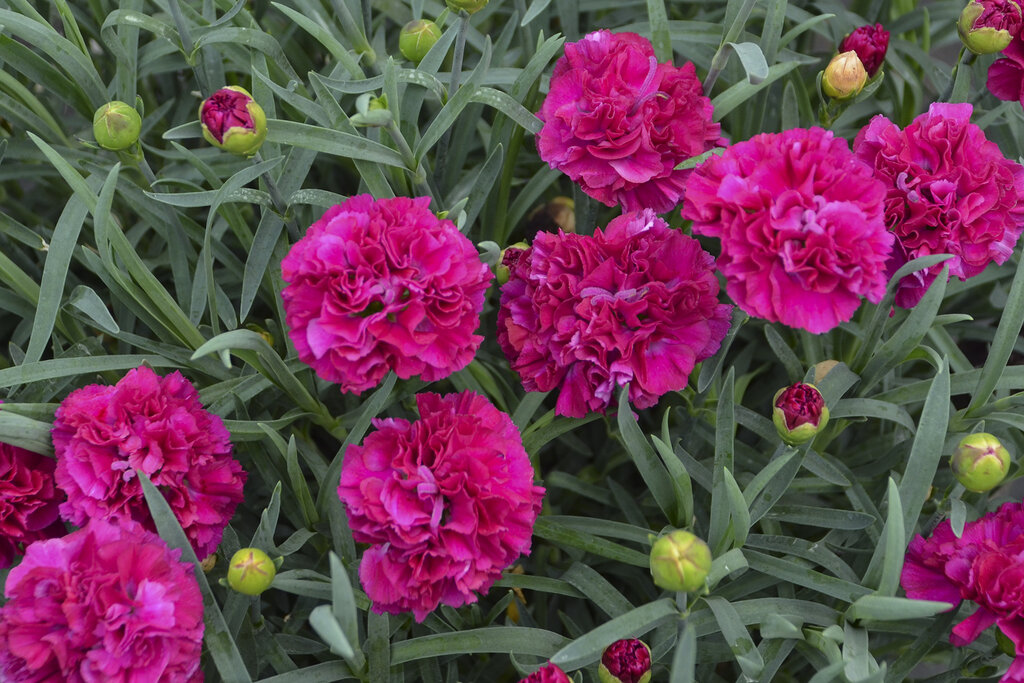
<point x="550" y="673"/>
<point x="626" y="661"/>
<point x="509" y="258"/>
<point x="799" y="413"/>
<point x="233" y="121"/>
<point x="870" y="43"/>
<point x="980" y="462"/>
<point x="988" y="26"/>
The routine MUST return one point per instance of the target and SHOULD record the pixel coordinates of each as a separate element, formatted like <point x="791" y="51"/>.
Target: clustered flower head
<point x="549" y="673"/>
<point x="29" y="501"/>
<point x="984" y="565"/>
<point x="636" y="303"/>
<point x="801" y="224"/>
<point x="104" y="603"/>
<point x="380" y="285"/>
<point x="102" y="434"/>
<point x="618" y="123"/>
<point x="447" y="501"/>
<point x="949" y="190"/>
<point x="870" y="43"/>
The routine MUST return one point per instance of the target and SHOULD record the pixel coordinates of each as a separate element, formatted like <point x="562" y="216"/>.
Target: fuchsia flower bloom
<point x="985" y="565"/>
<point x="637" y="303"/>
<point x="549" y="673"/>
<point x="104" y="603"/>
<point x="800" y="220"/>
<point x="949" y="191"/>
<point x="448" y="502"/>
<point x="1006" y="75"/>
<point x="618" y="123"/>
<point x="157" y="425"/>
<point x="29" y="501"/>
<point x="870" y="43"/>
<point x="379" y="285"/>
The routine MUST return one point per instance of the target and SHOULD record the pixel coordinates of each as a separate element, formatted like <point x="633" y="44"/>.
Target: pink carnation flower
<point x="870" y="43"/>
<point x="637" y="303"/>
<point x="448" y="502"/>
<point x="549" y="673"/>
<point x="29" y="501"/>
<point x="1006" y="75"/>
<point x="379" y="285"/>
<point x="156" y="425"/>
<point x="800" y="220"/>
<point x="950" y="191"/>
<point x="104" y="603"/>
<point x="985" y="565"/>
<point x="618" y="123"/>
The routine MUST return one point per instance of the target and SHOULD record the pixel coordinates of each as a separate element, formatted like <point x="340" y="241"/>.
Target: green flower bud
<point x="844" y="76"/>
<point x="116" y="126"/>
<point x="251" y="571"/>
<point x="469" y="6"/>
<point x="988" y="26"/>
<point x="417" y="38"/>
<point x="680" y="561"/>
<point x="233" y="121"/>
<point x="799" y="412"/>
<point x="980" y="462"/>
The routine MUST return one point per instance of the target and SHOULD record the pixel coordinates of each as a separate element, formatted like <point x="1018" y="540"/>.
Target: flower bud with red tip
<point x="233" y="121"/>
<point x="626" y="661"/>
<point x="870" y="43"/>
<point x="980" y="462"/>
<point x="988" y="26"/>
<point x="550" y="673"/>
<point x="799" y="412"/>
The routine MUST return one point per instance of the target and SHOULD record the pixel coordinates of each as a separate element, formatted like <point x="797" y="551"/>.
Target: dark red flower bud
<point x="799" y="413"/>
<point x="988" y="26"/>
<point x="626" y="661"/>
<point x="233" y="121"/>
<point x="550" y="673"/>
<point x="870" y="43"/>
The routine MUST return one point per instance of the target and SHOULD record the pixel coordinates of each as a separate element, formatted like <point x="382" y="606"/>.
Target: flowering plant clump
<point x="380" y="285"/>
<point x="636" y="303"/>
<point x="948" y="191"/>
<point x="155" y="425"/>
<point x="984" y="565"/>
<point x="870" y="43"/>
<point x="29" y="500"/>
<point x="618" y="123"/>
<point x="104" y="603"/>
<point x="448" y="502"/>
<point x="800" y="223"/>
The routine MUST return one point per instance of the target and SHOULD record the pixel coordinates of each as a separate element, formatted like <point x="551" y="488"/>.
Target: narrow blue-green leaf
<point x="25" y="432"/>
<point x="264" y="536"/>
<point x="86" y="300"/>
<point x="650" y="467"/>
<point x="588" y="648"/>
<point x="957" y="516"/>
<point x="74" y="367"/>
<point x="327" y="672"/>
<point x="331" y="142"/>
<point x="885" y="608"/>
<point x="217" y="637"/>
<point x="736" y="636"/>
<point x="682" y="486"/>
<point x="739" y="93"/>
<point x="887" y="561"/>
<point x="327" y="627"/>
<point x="753" y="61"/>
<point x="684" y="661"/>
<point x="765" y="475"/>
<point x="561" y="534"/>
<point x="822" y="517"/>
<point x="508" y="106"/>
<point x="661" y="39"/>
<point x="548" y="427"/>
<point x="738" y="512"/>
<point x="498" y="639"/>
<point x="725" y="564"/>
<point x="1010" y="321"/>
<point x="867" y="407"/>
<point x="800" y="575"/>
<point x="785" y="354"/>
<point x="597" y="589"/>
<point x="962" y="82"/>
<point x="803" y="26"/>
<point x="926" y="451"/>
<point x="324" y="37"/>
<point x="725" y="423"/>
<point x="535" y="8"/>
<point x="710" y="368"/>
<point x="343" y="603"/>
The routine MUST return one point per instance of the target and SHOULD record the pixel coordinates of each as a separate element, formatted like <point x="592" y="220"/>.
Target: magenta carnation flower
<point x="29" y="501"/>
<point x="949" y="191"/>
<point x="800" y="220"/>
<point x="870" y="43"/>
<point x="379" y="285"/>
<point x="985" y="565"/>
<point x="448" y="502"/>
<point x="1006" y="75"/>
<point x="104" y="603"/>
<point x="156" y="425"/>
<point x="618" y="123"/>
<point x="637" y="303"/>
<point x="549" y="673"/>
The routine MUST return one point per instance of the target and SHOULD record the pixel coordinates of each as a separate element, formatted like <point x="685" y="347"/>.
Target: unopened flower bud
<point x="980" y="462"/>
<point x="417" y="38"/>
<point x="507" y="262"/>
<point x="251" y="571"/>
<point x="988" y="26"/>
<point x="870" y="43"/>
<point x="558" y="214"/>
<point x="799" y="412"/>
<point x="680" y="561"/>
<point x="626" y="661"/>
<point x="233" y="121"/>
<point x="550" y="673"/>
<point x="116" y="126"/>
<point x="844" y="76"/>
<point x="469" y="6"/>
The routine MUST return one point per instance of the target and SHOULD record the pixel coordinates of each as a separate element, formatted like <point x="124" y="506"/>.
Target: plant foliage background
<point x="171" y="259"/>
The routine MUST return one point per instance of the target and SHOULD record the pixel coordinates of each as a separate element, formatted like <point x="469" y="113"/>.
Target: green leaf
<point x="885" y="608"/>
<point x="926" y="451"/>
<point x="684" y="661"/>
<point x="661" y="39"/>
<point x="327" y="627"/>
<point x="710" y="368"/>
<point x="597" y="589"/>
<point x="1010" y="321"/>
<point x="25" y="432"/>
<point x="725" y="423"/>
<point x="498" y="639"/>
<point x="75" y="367"/>
<point x="753" y="61"/>
<point x="563" y="535"/>
<point x="887" y="560"/>
<point x="588" y="648"/>
<point x="650" y="467"/>
<point x="331" y="142"/>
<point x="736" y="636"/>
<point x="739" y="93"/>
<point x="217" y="637"/>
